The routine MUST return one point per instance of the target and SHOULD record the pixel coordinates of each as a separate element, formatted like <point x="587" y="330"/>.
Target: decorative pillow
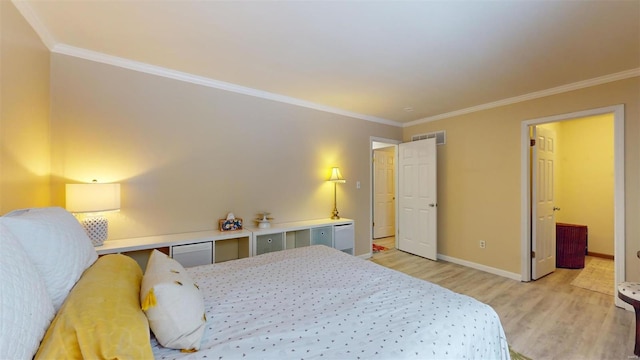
<point x="25" y="306"/>
<point x="173" y="303"/>
<point x="101" y="318"/>
<point x="57" y="245"/>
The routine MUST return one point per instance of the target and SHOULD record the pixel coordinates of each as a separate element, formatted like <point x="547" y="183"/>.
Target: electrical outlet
<point x="483" y="244"/>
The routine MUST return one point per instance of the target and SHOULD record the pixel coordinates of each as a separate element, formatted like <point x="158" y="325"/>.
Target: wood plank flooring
<point x="388" y="242"/>
<point x="544" y="319"/>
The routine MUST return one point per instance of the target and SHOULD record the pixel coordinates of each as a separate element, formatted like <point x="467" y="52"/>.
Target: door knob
<point x="433" y="205"/>
<point x="556" y="208"/>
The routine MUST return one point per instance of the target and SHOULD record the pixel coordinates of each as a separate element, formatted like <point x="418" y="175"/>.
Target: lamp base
<point x="97" y="228"/>
<point x="335" y="203"/>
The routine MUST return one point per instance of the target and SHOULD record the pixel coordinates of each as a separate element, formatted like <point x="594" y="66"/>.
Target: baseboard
<point x="469" y="264"/>
<point x="604" y="256"/>
<point x="488" y="269"/>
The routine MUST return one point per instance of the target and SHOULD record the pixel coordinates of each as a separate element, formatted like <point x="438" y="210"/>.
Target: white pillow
<point x="25" y="306"/>
<point x="57" y="245"/>
<point x="173" y="303"/>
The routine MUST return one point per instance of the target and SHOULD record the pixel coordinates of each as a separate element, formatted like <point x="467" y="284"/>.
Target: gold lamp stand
<point x="336" y="178"/>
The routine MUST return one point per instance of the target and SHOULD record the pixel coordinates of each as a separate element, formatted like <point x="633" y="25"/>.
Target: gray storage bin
<point x="193" y="254"/>
<point x="269" y="242"/>
<point x="322" y="236"/>
<point x="344" y="238"/>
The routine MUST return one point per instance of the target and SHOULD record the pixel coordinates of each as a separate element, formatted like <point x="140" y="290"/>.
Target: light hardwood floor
<point x="388" y="242"/>
<point x="543" y="319"/>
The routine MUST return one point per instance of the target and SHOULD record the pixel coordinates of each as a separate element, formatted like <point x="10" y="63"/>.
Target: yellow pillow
<point x="101" y="318"/>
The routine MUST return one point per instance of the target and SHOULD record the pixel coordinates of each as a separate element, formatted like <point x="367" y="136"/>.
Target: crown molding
<point x="534" y="95"/>
<point x="208" y="82"/>
<point x="27" y="12"/>
<point x="49" y="41"/>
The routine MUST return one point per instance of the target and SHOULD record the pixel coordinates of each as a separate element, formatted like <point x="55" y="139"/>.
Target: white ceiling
<point x="368" y="58"/>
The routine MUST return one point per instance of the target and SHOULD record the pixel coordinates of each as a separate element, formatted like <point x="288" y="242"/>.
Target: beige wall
<point x="24" y="114"/>
<point x="585" y="178"/>
<point x="187" y="154"/>
<point x="479" y="174"/>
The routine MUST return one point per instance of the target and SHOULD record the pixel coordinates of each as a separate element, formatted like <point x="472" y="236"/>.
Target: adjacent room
<point x="296" y="151"/>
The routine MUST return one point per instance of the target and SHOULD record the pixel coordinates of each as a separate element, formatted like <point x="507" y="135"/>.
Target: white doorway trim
<point x="619" y="198"/>
<point x="394" y="143"/>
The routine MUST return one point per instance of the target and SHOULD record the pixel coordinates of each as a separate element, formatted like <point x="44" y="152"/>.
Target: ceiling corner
<point x="27" y="12"/>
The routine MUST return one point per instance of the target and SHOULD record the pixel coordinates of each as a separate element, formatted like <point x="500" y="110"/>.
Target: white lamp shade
<point x="336" y="176"/>
<point x="82" y="198"/>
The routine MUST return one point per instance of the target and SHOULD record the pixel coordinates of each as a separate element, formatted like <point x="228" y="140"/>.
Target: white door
<point x="384" y="215"/>
<point x="543" y="232"/>
<point x="417" y="203"/>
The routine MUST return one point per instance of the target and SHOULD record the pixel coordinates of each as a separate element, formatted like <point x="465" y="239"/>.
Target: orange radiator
<point x="571" y="245"/>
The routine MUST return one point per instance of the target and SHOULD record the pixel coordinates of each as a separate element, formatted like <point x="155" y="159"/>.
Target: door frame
<point x="394" y="143"/>
<point x="619" y="193"/>
<point x="382" y="151"/>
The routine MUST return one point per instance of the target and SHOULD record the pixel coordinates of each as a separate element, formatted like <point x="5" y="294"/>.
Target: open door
<point x="543" y="232"/>
<point x="417" y="204"/>
<point x="384" y="193"/>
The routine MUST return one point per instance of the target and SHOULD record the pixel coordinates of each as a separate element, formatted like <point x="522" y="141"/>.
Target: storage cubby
<point x="300" y="238"/>
<point x="322" y="236"/>
<point x="213" y="246"/>
<point x="302" y="233"/>
<point x="231" y="249"/>
<point x="193" y="254"/>
<point x="142" y="256"/>
<point x="343" y="237"/>
<point x="190" y="249"/>
<point x="269" y="242"/>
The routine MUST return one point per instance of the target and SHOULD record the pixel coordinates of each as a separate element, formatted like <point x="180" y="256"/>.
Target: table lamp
<point x="93" y="200"/>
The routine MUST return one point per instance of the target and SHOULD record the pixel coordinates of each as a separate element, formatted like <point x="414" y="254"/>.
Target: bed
<point x="306" y="303"/>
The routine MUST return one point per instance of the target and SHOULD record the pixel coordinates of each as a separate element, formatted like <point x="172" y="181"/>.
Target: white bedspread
<point x="318" y="303"/>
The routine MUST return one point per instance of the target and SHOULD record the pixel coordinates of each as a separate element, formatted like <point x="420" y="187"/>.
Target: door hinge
<point x="374" y="224"/>
<point x="533" y="254"/>
<point x="532" y="142"/>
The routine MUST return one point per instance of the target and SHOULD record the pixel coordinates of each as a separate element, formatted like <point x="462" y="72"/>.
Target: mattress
<point x="319" y="303"/>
